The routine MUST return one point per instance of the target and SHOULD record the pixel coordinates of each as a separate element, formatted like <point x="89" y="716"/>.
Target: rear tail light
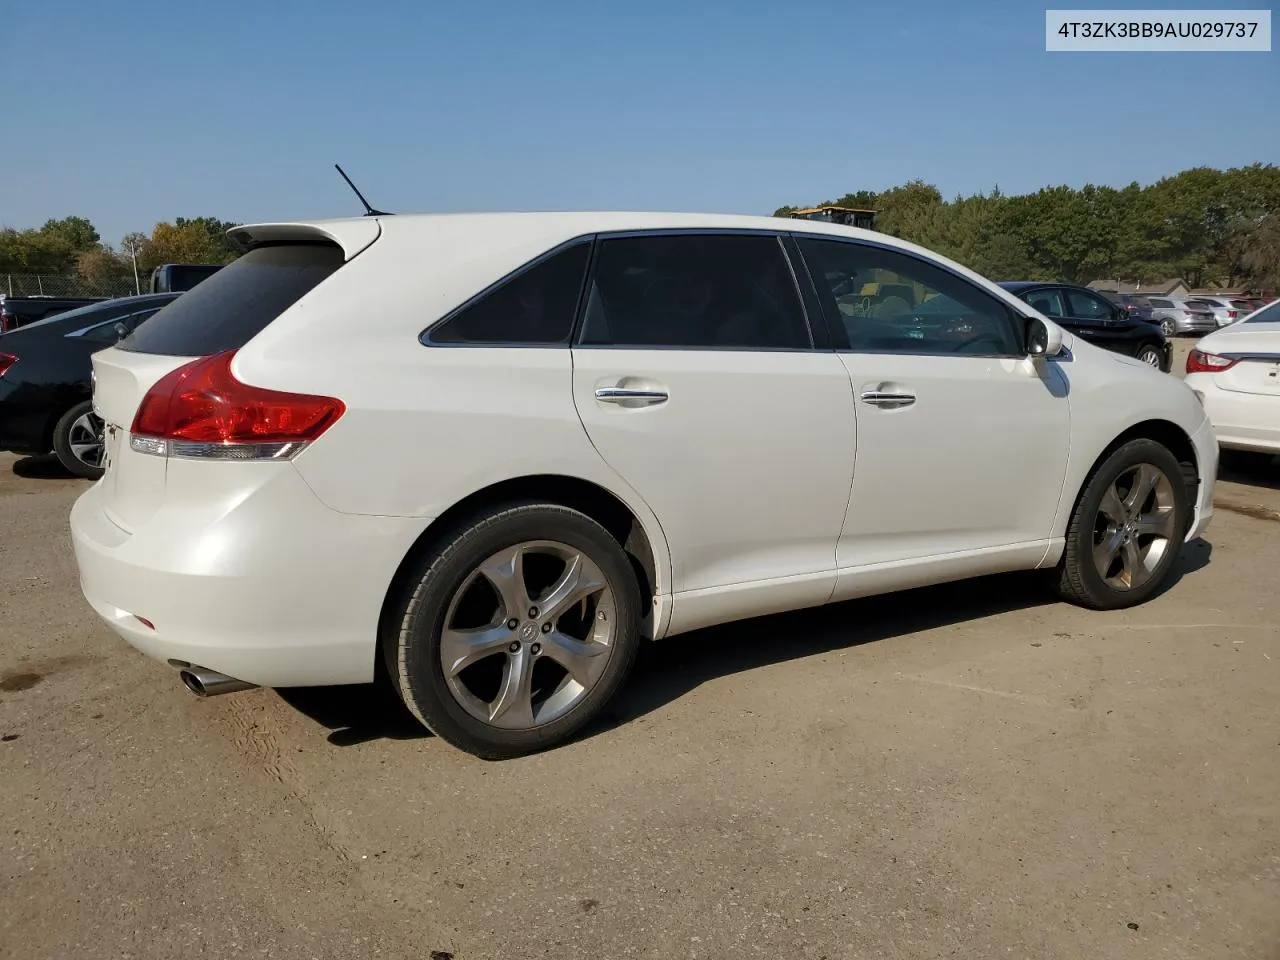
<point x="1231" y="314"/>
<point x="7" y="360"/>
<point x="202" y="411"/>
<point x="1200" y="362"/>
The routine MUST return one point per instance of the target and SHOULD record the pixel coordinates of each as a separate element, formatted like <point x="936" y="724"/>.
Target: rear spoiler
<point x="353" y="234"/>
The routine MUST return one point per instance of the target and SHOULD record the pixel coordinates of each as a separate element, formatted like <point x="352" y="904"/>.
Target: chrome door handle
<point x="630" y="396"/>
<point x="882" y="398"/>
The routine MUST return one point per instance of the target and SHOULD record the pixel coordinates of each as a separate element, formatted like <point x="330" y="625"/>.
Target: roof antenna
<point x="369" y="211"/>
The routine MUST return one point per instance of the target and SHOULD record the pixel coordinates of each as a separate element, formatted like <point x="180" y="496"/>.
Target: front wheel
<point x="515" y="632"/>
<point x="1127" y="529"/>
<point x="1167" y="328"/>
<point x="1150" y="354"/>
<point x="78" y="441"/>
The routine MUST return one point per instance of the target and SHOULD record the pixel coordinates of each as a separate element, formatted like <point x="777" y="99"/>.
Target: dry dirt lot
<point x="966" y="771"/>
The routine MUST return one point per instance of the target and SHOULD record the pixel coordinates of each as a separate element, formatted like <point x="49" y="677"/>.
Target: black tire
<point x="1076" y="578"/>
<point x="62" y="443"/>
<point x="411" y="643"/>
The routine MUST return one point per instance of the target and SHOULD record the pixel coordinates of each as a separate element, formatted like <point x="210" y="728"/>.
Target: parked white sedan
<point x="493" y="452"/>
<point x="1236" y="373"/>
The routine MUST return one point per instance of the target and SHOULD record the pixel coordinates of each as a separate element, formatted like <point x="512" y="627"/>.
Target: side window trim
<point x="1013" y="316"/>
<point x="123" y="318"/>
<point x="426" y="339"/>
<point x="779" y="236"/>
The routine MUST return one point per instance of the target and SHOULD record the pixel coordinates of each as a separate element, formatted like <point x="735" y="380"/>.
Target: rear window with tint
<point x="234" y="305"/>
<point x="1269" y="314"/>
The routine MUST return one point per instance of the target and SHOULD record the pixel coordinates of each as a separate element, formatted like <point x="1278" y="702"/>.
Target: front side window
<point x="535" y="307"/>
<point x="696" y="292"/>
<point x="1161" y="304"/>
<point x="1088" y="306"/>
<point x="885" y="301"/>
<point x="1047" y="302"/>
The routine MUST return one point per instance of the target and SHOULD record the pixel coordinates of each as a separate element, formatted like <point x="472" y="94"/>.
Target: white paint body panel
<point x="761" y="485"/>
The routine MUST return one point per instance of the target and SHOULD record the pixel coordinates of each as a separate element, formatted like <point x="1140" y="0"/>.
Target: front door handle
<point x="631" y="396"/>
<point x="890" y="399"/>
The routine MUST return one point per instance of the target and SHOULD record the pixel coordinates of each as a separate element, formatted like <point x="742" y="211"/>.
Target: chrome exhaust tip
<point x="209" y="683"/>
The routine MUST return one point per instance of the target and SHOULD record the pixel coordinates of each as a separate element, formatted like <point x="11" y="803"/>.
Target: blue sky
<point x="130" y="114"/>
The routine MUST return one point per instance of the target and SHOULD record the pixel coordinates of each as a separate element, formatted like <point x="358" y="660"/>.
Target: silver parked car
<point x="1177" y="315"/>
<point x="1226" y="310"/>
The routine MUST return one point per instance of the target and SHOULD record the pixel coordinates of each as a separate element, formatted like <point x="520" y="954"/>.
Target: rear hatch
<point x="1257" y="346"/>
<point x="221" y="313"/>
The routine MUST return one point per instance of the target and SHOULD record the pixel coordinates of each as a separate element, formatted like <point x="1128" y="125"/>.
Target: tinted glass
<point x="535" y="306"/>
<point x="882" y="301"/>
<point x="726" y="292"/>
<point x="106" y="332"/>
<point x="1047" y="302"/>
<point x="235" y="304"/>
<point x="1269" y="314"/>
<point x="1090" y="307"/>
<point x="1161" y="303"/>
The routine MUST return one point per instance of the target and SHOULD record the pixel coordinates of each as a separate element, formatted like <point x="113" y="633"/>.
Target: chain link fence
<point x="54" y="285"/>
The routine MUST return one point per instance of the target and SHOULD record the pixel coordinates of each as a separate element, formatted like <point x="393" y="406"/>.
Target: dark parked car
<point x="46" y="380"/>
<point x="20" y="311"/>
<point x="1136" y="306"/>
<point x="1096" y="319"/>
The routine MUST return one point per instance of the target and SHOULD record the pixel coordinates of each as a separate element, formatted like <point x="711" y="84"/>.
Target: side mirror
<point x="121" y="330"/>
<point x="1042" y="339"/>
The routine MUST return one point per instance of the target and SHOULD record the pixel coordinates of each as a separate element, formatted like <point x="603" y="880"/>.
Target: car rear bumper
<point x="270" y="586"/>
<point x="1241" y="421"/>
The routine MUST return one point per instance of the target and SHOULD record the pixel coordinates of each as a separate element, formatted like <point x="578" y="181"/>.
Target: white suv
<point x="492" y="453"/>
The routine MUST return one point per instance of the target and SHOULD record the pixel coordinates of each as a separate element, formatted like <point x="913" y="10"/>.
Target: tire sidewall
<point x="1129" y="455"/>
<point x="415" y="659"/>
<point x="62" y="443"/>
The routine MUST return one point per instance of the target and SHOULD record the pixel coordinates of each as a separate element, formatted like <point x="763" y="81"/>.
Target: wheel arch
<point x="1165" y="432"/>
<point x="648" y="560"/>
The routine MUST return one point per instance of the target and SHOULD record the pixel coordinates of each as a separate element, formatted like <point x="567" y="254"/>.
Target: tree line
<point x="72" y="246"/>
<point x="1209" y="227"/>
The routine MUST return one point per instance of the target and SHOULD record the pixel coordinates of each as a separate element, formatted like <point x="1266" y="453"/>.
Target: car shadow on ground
<point x="1254" y="474"/>
<point x="668" y="670"/>
<point x="44" y="467"/>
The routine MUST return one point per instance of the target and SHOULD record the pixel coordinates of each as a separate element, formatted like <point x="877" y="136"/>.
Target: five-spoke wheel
<point x="517" y="630"/>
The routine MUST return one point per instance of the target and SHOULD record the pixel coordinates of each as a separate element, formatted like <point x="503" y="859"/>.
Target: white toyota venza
<point x="492" y="454"/>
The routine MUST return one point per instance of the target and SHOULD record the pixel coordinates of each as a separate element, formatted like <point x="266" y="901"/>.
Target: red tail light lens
<point x="202" y="410"/>
<point x="7" y="360"/>
<point x="1200" y="362"/>
<point x="1231" y="314"/>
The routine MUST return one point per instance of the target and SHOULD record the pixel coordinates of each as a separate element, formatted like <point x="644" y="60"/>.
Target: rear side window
<point x="534" y="307"/>
<point x="1161" y="303"/>
<point x="691" y="291"/>
<point x="234" y="305"/>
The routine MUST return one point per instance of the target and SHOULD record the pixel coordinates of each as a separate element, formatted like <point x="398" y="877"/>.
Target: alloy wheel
<point x="1150" y="356"/>
<point x="528" y="634"/>
<point x="1167" y="328"/>
<point x="86" y="440"/>
<point x="1134" y="526"/>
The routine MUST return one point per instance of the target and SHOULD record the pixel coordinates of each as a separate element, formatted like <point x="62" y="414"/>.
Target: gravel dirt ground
<point x="968" y="771"/>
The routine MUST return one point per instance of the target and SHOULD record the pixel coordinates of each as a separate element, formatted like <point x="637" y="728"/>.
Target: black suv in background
<point x="1094" y="318"/>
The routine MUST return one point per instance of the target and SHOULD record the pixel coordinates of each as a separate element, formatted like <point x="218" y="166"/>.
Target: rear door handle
<point x="892" y="399"/>
<point x="630" y="396"/>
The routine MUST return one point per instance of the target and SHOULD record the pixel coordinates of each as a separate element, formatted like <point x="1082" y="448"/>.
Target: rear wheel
<point x="78" y="441"/>
<point x="515" y="632"/>
<point x="1127" y="529"/>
